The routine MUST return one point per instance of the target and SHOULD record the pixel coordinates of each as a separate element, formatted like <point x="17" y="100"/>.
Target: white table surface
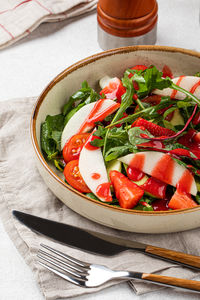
<point x="27" y="67"/>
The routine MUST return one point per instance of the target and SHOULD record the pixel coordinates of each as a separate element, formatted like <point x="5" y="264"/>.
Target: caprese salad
<point x="135" y="144"/>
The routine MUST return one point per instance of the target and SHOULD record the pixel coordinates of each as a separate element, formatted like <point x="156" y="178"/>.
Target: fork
<point x="91" y="275"/>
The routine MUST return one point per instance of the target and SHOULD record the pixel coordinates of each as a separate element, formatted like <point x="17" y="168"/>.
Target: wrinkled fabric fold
<point x="18" y="18"/>
<point x="22" y="188"/>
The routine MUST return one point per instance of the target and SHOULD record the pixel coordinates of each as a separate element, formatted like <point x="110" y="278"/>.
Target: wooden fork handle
<point x="179" y="257"/>
<point x="172" y="281"/>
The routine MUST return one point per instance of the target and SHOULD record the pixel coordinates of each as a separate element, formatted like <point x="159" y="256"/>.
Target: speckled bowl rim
<point x="62" y="75"/>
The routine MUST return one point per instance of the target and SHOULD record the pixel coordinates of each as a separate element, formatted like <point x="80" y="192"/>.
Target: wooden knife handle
<point x="172" y="281"/>
<point x="182" y="258"/>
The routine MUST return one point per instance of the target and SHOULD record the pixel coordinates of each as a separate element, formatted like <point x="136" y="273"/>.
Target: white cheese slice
<point x="187" y="82"/>
<point x="151" y="159"/>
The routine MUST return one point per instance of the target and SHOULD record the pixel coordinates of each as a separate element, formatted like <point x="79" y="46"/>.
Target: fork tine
<point x="65" y="263"/>
<point x="65" y="256"/>
<point x="65" y="269"/>
<point x="63" y="275"/>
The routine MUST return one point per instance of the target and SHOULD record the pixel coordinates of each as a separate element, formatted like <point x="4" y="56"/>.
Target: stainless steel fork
<point x="92" y="275"/>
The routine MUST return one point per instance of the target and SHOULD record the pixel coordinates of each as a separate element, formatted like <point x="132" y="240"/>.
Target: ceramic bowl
<point x="113" y="63"/>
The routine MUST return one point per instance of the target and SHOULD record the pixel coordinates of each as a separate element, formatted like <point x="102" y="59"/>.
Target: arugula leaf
<point x="147" y="206"/>
<point x="115" y="152"/>
<point x="172" y="146"/>
<point x="117" y="142"/>
<point x="187" y="93"/>
<point x="85" y="95"/>
<point x="100" y="132"/>
<point x="148" y="113"/>
<point x="149" y="80"/>
<point x="115" y="136"/>
<point x="169" y="111"/>
<point x="92" y="196"/>
<point x="73" y="111"/>
<point x="197" y="74"/>
<point x="97" y="143"/>
<point x="197" y="198"/>
<point x="126" y="99"/>
<point x="183" y="104"/>
<point x="51" y="131"/>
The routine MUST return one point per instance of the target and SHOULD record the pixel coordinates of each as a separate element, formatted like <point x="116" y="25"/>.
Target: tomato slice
<point x="127" y="192"/>
<point x="73" y="147"/>
<point x="74" y="178"/>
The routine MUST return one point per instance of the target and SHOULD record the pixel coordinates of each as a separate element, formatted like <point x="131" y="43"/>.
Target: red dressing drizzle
<point x="103" y="191"/>
<point x="164" y="169"/>
<point x="134" y="174"/>
<point x="95" y="115"/>
<point x="137" y="161"/>
<point x="88" y="146"/>
<point x="195" y="86"/>
<point x="95" y="176"/>
<point x="174" y="92"/>
<point x="185" y="182"/>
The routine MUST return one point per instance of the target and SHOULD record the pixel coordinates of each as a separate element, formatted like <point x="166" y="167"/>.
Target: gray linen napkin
<point x="19" y="18"/>
<point x="22" y="188"/>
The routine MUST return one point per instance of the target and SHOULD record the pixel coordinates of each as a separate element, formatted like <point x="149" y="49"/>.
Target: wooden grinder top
<point x="127" y="18"/>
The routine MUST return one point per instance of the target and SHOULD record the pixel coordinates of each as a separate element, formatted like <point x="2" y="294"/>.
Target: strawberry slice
<point x="127" y="192"/>
<point x="181" y="200"/>
<point x="114" y="90"/>
<point x="139" y="67"/>
<point x="167" y="72"/>
<point x="180" y="152"/>
<point x="155" y="188"/>
<point x="154" y="129"/>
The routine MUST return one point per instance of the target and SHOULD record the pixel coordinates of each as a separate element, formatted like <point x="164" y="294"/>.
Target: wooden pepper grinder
<point x="126" y="22"/>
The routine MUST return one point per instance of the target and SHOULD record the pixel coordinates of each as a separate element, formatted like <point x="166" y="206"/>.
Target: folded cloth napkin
<point x="20" y="17"/>
<point x="22" y="188"/>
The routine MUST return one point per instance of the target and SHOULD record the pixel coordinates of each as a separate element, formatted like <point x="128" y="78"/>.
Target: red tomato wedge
<point x="74" y="178"/>
<point x="73" y="147"/>
<point x="127" y="192"/>
<point x="155" y="188"/>
<point x="181" y="200"/>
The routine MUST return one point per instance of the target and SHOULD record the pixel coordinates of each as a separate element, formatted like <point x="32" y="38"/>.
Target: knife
<point x="99" y="243"/>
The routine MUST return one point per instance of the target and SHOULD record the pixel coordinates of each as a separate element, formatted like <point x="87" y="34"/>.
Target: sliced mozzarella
<point x="189" y="83"/>
<point x="93" y="171"/>
<point x="149" y="161"/>
<point x="104" y="81"/>
<point x="74" y="124"/>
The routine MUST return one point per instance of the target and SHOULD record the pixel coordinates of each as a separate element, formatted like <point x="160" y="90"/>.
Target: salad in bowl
<point x="133" y="143"/>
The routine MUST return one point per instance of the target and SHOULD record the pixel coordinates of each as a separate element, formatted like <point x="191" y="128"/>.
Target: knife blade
<point x="99" y="243"/>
